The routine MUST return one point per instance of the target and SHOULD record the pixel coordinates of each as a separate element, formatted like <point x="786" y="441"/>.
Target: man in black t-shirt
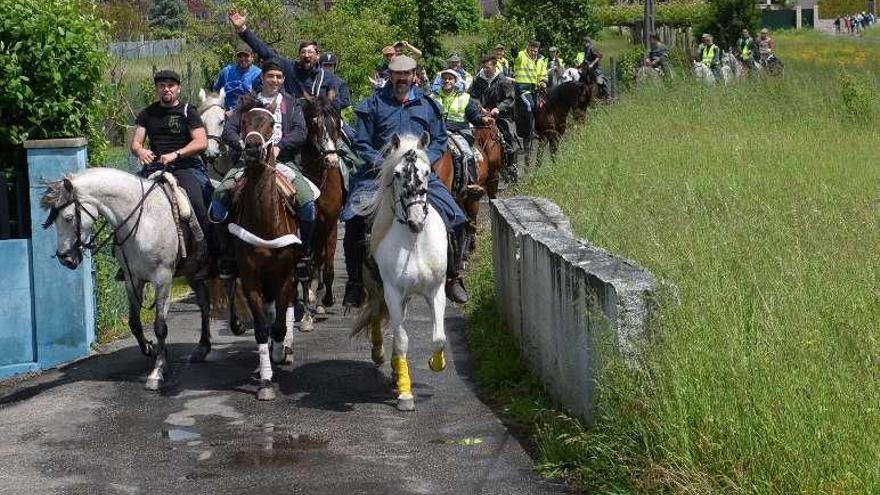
<point x="176" y="139"/>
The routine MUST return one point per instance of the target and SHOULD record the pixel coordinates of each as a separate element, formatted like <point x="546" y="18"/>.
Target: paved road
<point x="92" y="428"/>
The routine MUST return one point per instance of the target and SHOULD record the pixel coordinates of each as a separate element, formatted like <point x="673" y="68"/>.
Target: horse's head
<point x="406" y="172"/>
<point x="324" y="126"/>
<point x="72" y="219"/>
<point x="213" y="116"/>
<point x="257" y="124"/>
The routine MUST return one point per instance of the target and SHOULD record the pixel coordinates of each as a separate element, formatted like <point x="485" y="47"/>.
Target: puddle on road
<point x="273" y="448"/>
<point x="181" y="434"/>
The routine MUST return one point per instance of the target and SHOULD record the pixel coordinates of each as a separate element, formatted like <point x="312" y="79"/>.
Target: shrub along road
<point x="91" y="428"/>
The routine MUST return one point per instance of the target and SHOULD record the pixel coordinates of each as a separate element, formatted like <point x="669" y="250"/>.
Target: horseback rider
<point x="301" y="77"/>
<point x="177" y="137"/>
<point x="460" y="110"/>
<point x="381" y="75"/>
<point x="496" y="95"/>
<point x="745" y="46"/>
<point x="288" y="136"/>
<point x="399" y="108"/>
<point x="464" y="78"/>
<point x="658" y="55"/>
<point x="588" y="60"/>
<point x="710" y="55"/>
<point x="766" y="45"/>
<point x="555" y="67"/>
<point x="530" y="75"/>
<point x="501" y="63"/>
<point x="237" y="79"/>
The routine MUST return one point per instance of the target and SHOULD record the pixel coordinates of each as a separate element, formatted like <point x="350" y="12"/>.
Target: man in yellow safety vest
<point x="530" y="75"/>
<point x="710" y="55"/>
<point x="460" y="110"/>
<point x="501" y="63"/>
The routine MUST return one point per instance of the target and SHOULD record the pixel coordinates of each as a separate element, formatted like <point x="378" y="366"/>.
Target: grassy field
<point x="759" y="204"/>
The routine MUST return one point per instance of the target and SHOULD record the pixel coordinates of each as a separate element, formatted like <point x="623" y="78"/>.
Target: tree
<point x="428" y="33"/>
<point x="563" y="23"/>
<point x="167" y="16"/>
<point x="125" y="17"/>
<point x="727" y="18"/>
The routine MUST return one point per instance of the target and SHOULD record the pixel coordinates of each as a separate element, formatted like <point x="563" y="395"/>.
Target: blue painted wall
<point x="47" y="312"/>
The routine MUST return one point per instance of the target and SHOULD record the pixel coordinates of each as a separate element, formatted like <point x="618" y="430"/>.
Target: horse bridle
<point x="266" y="144"/>
<point x="413" y="188"/>
<point x="202" y="110"/>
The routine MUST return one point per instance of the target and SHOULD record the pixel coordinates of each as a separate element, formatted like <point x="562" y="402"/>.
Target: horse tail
<point x="374" y="307"/>
<point x="220" y="303"/>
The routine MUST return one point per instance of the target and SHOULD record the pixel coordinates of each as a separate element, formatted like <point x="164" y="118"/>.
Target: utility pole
<point x="649" y="22"/>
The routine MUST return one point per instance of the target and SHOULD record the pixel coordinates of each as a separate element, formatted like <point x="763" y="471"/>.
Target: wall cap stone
<point x="77" y="142"/>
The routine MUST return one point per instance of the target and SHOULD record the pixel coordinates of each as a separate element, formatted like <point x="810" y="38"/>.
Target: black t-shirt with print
<point x="168" y="130"/>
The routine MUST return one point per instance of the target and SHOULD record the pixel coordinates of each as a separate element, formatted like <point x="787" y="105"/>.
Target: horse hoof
<point x="199" y="355"/>
<point x="288" y="355"/>
<point x="237" y="328"/>
<point x="266" y="392"/>
<point x="320" y="310"/>
<point x="378" y="355"/>
<point x="306" y="325"/>
<point x="406" y="404"/>
<point x="277" y="353"/>
<point x="328" y="300"/>
<point x="153" y="384"/>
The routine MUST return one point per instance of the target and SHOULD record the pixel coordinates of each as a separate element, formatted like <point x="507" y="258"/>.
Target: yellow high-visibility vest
<point x="709" y="55"/>
<point x="454" y="105"/>
<point x="527" y="70"/>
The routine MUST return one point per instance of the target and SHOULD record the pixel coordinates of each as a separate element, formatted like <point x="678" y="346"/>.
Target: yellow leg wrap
<point x="401" y="367"/>
<point x="437" y="363"/>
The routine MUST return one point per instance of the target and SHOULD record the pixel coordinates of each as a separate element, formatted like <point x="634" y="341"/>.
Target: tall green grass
<point x="758" y="203"/>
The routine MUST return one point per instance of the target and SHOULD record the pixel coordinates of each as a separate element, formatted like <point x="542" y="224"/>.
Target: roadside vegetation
<point x="757" y="206"/>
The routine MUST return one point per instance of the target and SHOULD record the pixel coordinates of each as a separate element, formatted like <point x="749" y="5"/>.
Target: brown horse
<point x="445" y="170"/>
<point x="320" y="163"/>
<point x="552" y="114"/>
<point x="266" y="248"/>
<point x="488" y="139"/>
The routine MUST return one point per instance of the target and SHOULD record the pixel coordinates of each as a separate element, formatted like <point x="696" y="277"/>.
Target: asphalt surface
<point x="91" y="428"/>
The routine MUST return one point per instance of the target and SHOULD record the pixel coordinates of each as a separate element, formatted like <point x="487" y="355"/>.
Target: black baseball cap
<point x="166" y="75"/>
<point x="328" y="58"/>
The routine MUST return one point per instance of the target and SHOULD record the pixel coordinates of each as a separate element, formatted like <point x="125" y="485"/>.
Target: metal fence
<point x="144" y="49"/>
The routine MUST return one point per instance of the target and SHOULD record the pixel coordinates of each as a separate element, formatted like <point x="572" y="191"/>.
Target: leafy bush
<point x="167" y="17"/>
<point x="458" y="16"/>
<point x="726" y="18"/>
<point x="628" y="63"/>
<point x="674" y="14"/>
<point x="53" y="55"/>
<point x="125" y="18"/>
<point x="856" y="95"/>
<point x="509" y="32"/>
<point x="563" y="23"/>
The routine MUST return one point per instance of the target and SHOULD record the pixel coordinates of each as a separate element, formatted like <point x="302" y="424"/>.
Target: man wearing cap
<point x="501" y="63"/>
<point x="496" y="95"/>
<point x="177" y="138"/>
<point x="588" y="60"/>
<point x="238" y="79"/>
<point x="328" y="62"/>
<point x="765" y="45"/>
<point x="530" y="75"/>
<point x="303" y="76"/>
<point x="555" y="67"/>
<point x="464" y="79"/>
<point x="399" y="108"/>
<point x="459" y="110"/>
<point x="403" y="44"/>
<point x="381" y="75"/>
<point x="288" y="136"/>
<point x="710" y="55"/>
<point x="746" y="52"/>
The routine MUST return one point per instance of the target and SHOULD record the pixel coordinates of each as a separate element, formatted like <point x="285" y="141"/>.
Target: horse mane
<point x="247" y="103"/>
<point x="381" y="206"/>
<point x="56" y="194"/>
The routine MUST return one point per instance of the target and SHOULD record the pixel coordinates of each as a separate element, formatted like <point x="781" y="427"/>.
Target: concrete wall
<point x="563" y="298"/>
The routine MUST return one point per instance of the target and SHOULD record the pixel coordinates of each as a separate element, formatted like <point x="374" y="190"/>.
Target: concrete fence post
<point x="64" y="300"/>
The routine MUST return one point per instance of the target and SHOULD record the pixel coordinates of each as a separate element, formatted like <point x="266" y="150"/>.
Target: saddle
<point x="191" y="245"/>
<point x="285" y="188"/>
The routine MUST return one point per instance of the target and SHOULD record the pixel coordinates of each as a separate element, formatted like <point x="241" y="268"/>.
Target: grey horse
<point x="147" y="244"/>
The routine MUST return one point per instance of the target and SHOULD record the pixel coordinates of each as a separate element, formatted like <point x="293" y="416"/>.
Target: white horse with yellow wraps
<point x="408" y="244"/>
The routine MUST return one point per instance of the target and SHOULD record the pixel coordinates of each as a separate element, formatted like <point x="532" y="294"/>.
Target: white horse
<point x="408" y="244"/>
<point x="571" y="74"/>
<point x="703" y="73"/>
<point x="735" y="69"/>
<point x="146" y="240"/>
<point x="214" y="117"/>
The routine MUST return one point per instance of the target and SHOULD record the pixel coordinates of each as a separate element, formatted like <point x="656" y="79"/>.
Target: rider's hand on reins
<point x="146" y="156"/>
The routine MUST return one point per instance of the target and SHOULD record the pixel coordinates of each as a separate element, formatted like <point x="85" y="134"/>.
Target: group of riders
<point x="402" y="103"/>
<point x="754" y="54"/>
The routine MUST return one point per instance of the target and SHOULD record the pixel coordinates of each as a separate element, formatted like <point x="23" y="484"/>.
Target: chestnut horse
<point x="266" y="245"/>
<point x="445" y="170"/>
<point x="320" y="164"/>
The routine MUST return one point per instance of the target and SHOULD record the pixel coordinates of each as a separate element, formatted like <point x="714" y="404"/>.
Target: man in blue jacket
<point x="303" y="76"/>
<point x="399" y="108"/>
<point x="239" y="78"/>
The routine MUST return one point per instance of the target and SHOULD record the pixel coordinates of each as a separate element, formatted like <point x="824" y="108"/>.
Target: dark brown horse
<point x="320" y="163"/>
<point x="551" y="116"/>
<point x="267" y="248"/>
<point x="471" y="205"/>
<point x="488" y="139"/>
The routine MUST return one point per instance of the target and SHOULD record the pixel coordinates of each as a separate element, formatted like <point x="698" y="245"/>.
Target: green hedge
<point x="674" y="14"/>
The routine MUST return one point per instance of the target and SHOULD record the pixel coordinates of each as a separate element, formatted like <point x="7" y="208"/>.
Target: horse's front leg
<point x="282" y="336"/>
<point x="235" y="325"/>
<point x="203" y="299"/>
<point x="160" y="328"/>
<point x="328" y="265"/>
<point x="437" y="304"/>
<point x="135" y="291"/>
<point x="399" y="365"/>
<point x="307" y="323"/>
<point x="265" y="391"/>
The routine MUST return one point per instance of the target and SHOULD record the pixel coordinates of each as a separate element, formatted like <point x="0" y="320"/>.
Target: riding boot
<point x="304" y="265"/>
<point x="355" y="250"/>
<point x="456" y="259"/>
<point x="473" y="191"/>
<point x="226" y="265"/>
